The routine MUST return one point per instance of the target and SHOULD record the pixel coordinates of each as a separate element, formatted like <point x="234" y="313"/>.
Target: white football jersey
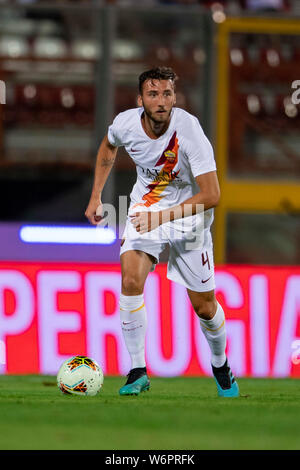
<point x="167" y="166"/>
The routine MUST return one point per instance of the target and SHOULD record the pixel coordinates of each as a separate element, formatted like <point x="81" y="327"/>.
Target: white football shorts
<point x="188" y="265"/>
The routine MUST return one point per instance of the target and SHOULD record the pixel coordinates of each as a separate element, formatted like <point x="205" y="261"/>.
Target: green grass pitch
<point x="177" y="413"/>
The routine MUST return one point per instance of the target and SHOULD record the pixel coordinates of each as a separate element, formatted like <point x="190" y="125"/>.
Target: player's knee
<point x="131" y="285"/>
<point x="206" y="309"/>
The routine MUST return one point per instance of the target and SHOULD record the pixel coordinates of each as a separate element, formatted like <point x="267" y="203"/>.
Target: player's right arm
<point x="105" y="159"/>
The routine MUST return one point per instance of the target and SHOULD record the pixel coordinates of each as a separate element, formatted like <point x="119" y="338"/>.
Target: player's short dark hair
<point x="157" y="73"/>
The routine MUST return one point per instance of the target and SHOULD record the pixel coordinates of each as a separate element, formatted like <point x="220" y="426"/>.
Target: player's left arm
<point x="208" y="195"/>
<point x="207" y="198"/>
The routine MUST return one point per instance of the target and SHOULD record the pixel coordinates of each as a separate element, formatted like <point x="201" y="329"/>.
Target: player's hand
<point x="145" y="221"/>
<point x="94" y="211"/>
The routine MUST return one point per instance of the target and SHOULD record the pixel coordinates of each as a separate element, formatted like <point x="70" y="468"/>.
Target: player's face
<point x="158" y="98"/>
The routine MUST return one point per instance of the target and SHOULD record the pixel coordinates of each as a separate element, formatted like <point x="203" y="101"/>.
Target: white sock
<point x="134" y="322"/>
<point x="215" y="333"/>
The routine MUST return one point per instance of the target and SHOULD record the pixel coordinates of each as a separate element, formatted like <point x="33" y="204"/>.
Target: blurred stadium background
<point x="66" y="69"/>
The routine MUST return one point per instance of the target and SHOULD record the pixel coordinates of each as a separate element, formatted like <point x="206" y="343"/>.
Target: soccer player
<point x="176" y="178"/>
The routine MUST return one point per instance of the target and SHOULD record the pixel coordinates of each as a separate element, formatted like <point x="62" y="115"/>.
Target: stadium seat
<point x="85" y="49"/>
<point x="13" y="46"/>
<point x="127" y="50"/>
<point x="237" y="56"/>
<point x="161" y="53"/>
<point x="25" y="95"/>
<point x="270" y="56"/>
<point x="67" y="98"/>
<point x="250" y="103"/>
<point x="49" y="47"/>
<point x="286" y="108"/>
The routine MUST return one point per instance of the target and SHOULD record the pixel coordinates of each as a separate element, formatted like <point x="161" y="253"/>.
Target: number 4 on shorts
<point x="205" y="259"/>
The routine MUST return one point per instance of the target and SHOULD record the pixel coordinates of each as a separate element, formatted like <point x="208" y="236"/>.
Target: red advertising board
<point x="50" y="311"/>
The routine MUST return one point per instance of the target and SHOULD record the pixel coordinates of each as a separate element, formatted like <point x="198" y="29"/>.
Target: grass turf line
<point x="177" y="413"/>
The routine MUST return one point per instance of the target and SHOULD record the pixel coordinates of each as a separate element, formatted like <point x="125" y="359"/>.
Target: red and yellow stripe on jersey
<point x="169" y="158"/>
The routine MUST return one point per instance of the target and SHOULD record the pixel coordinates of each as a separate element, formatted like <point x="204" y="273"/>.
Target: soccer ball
<point x="80" y="375"/>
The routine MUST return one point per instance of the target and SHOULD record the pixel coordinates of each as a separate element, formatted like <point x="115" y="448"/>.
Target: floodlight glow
<point x="67" y="235"/>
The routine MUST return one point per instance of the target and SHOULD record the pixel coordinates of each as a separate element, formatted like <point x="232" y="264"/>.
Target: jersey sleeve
<point x="114" y="133"/>
<point x="199" y="150"/>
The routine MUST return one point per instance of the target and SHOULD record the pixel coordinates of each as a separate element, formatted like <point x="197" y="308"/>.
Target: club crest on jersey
<point x="170" y="156"/>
